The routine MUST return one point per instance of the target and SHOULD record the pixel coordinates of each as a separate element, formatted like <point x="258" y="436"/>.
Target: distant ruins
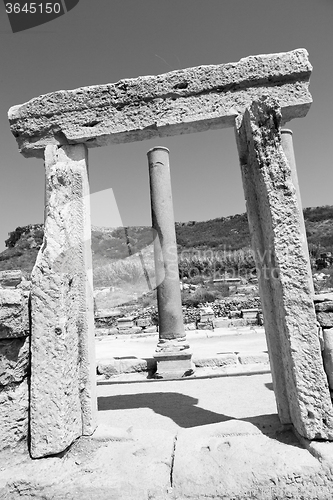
<point x="256" y="96"/>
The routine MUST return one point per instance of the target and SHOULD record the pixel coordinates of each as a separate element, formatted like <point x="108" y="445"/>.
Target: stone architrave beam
<point x="300" y="383"/>
<point x="179" y="102"/>
<point x="63" y="403"/>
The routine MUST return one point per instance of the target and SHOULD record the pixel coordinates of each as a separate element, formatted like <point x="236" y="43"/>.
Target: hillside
<point x="227" y="233"/>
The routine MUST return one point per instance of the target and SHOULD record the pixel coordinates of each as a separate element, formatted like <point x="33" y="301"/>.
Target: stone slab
<point x="221" y="360"/>
<point x="325" y="319"/>
<point x="323" y="297"/>
<point x="324" y="306"/>
<point x="250" y="358"/>
<point x="111" y="367"/>
<point x="221" y="322"/>
<point x="169" y="364"/>
<point x="63" y="397"/>
<point x="182" y="101"/>
<point x="300" y="382"/>
<point x="235" y="459"/>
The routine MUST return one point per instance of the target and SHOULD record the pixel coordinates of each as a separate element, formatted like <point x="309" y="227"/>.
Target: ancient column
<point x="299" y="379"/>
<point x="63" y="388"/>
<point x="172" y="353"/>
<point x="288" y="149"/>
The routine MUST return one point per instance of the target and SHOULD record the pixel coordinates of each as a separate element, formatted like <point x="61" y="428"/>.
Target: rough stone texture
<point x="288" y="149"/>
<point x="63" y="398"/>
<point x="14" y="409"/>
<point x="300" y="383"/>
<point x="111" y="367"/>
<point x="14" y="360"/>
<point x="221" y="360"/>
<point x="251" y="358"/>
<point x="328" y="355"/>
<point x="323" y="297"/>
<point x="325" y="319"/>
<point x="235" y="460"/>
<point x="121" y="465"/>
<point x="14" y="398"/>
<point x="14" y="315"/>
<point x="183" y="101"/>
<point x="10" y="278"/>
<point x="324" y="306"/>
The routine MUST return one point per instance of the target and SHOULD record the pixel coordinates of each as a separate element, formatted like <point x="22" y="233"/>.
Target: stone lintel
<point x="300" y="383"/>
<point x="179" y="102"/>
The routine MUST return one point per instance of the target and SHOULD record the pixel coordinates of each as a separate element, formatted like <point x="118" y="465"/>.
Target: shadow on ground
<point x="180" y="408"/>
<point x="183" y="410"/>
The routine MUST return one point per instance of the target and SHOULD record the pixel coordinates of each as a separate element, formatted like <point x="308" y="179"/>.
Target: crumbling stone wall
<point x="14" y="358"/>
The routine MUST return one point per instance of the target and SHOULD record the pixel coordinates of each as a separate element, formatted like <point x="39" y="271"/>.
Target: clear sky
<point x="103" y="41"/>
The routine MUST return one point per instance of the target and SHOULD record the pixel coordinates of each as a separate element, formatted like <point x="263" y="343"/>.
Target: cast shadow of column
<point x="178" y="407"/>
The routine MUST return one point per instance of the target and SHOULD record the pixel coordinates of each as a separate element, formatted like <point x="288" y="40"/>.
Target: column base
<point x="174" y="364"/>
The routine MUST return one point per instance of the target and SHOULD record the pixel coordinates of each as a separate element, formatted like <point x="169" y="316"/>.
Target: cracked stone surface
<point x="63" y="399"/>
<point x="232" y="460"/>
<point x="179" y="102"/>
<point x="299" y="379"/>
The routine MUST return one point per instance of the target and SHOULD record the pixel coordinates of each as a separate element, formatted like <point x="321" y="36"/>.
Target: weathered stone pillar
<point x="299" y="380"/>
<point x="288" y="149"/>
<point x="172" y="354"/>
<point x="63" y="393"/>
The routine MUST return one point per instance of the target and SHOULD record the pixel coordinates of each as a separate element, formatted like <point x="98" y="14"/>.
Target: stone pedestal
<point x="63" y="388"/>
<point x="300" y="383"/>
<point x="172" y="354"/>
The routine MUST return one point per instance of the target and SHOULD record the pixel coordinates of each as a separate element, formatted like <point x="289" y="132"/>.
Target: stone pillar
<point x="288" y="149"/>
<point x="299" y="380"/>
<point x="63" y="387"/>
<point x="172" y="354"/>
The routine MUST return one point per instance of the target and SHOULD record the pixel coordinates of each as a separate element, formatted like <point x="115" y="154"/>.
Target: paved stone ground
<point x="196" y="438"/>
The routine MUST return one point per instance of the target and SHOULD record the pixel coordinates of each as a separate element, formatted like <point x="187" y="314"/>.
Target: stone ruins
<point x="256" y="96"/>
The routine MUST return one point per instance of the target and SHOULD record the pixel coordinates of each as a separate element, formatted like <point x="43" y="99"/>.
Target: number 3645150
<point x="32" y="8"/>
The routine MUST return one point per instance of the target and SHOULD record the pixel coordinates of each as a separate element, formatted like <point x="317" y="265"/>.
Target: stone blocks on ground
<point x="143" y="322"/>
<point x="221" y="322"/>
<point x="114" y="366"/>
<point x="250" y="358"/>
<point x="129" y="330"/>
<point x="218" y="361"/>
<point x="125" y="322"/>
<point x="173" y="364"/>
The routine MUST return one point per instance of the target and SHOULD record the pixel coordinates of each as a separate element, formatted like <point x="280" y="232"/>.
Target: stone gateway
<point x="256" y="96"/>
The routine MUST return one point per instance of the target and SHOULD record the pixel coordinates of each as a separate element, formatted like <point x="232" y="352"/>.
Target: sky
<point x="104" y="41"/>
